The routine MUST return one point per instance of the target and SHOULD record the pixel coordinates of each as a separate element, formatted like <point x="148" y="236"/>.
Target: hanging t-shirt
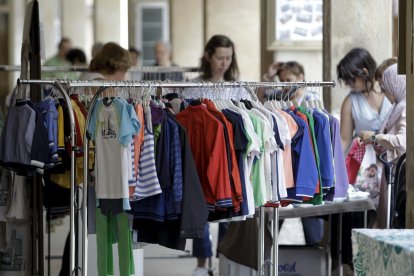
<point x="287" y="153"/>
<point x="252" y="150"/>
<point x="258" y="174"/>
<point x="240" y="144"/>
<point x="269" y="146"/>
<point x="111" y="127"/>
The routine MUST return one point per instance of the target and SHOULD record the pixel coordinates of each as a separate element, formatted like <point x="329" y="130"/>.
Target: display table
<point x="360" y="205"/>
<point x="383" y="252"/>
<point x="242" y="253"/>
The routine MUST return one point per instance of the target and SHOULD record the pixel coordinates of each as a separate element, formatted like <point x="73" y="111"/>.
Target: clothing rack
<point x="61" y="90"/>
<point x="102" y="85"/>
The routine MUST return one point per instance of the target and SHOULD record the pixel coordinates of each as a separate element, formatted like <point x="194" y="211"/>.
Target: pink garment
<point x="287" y="153"/>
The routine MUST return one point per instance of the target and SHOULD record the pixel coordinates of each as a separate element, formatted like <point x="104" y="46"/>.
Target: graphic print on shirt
<point x="107" y="127"/>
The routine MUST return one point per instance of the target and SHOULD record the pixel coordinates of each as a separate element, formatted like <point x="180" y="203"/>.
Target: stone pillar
<point x="75" y="23"/>
<point x="16" y="21"/>
<point x="239" y="20"/>
<point x="108" y="21"/>
<point x="52" y="31"/>
<point x="187" y="36"/>
<point x="355" y="23"/>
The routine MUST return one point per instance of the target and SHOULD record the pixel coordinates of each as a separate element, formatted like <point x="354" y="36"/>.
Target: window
<point x="152" y="24"/>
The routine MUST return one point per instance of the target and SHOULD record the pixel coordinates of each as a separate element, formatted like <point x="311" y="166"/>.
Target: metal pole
<point x="85" y="188"/>
<point x="72" y="175"/>
<point x="365" y="219"/>
<point x="261" y="241"/>
<point x="389" y="187"/>
<point x="275" y="241"/>
<point x="340" y="269"/>
<point x="235" y="84"/>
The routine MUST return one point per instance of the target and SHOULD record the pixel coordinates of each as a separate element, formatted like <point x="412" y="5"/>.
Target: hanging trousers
<point x="109" y="229"/>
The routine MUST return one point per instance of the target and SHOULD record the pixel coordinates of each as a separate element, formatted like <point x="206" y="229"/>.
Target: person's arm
<point x="269" y="76"/>
<point x="272" y="71"/>
<point x="347" y="123"/>
<point x="398" y="140"/>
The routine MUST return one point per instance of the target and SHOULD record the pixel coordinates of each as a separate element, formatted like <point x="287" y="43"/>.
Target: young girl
<point x="365" y="107"/>
<point x="290" y="71"/>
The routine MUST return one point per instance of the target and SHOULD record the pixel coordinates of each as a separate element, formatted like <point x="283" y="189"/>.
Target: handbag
<point x="354" y="159"/>
<point x="369" y="174"/>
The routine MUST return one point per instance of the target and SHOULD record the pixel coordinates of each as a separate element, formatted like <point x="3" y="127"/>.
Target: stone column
<point x="75" y="23"/>
<point x="239" y="20"/>
<point x="16" y="21"/>
<point x="187" y="36"/>
<point x="52" y="31"/>
<point x="355" y="23"/>
<point x="108" y="21"/>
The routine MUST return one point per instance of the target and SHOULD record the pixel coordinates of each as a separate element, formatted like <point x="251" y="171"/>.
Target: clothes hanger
<point x="274" y="102"/>
<point x="320" y="101"/>
<point x="306" y="103"/>
<point x="289" y="103"/>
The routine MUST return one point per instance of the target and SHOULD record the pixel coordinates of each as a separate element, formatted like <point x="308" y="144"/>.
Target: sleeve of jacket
<point x="194" y="208"/>
<point x="39" y="153"/>
<point x="396" y="141"/>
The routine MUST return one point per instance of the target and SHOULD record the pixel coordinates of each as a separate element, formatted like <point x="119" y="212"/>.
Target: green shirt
<point x="57" y="61"/>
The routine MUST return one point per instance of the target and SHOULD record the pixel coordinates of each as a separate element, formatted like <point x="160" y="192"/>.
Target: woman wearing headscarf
<point x="392" y="134"/>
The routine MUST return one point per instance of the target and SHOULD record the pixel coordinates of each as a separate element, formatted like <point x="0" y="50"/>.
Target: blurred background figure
<point x="135" y="55"/>
<point x="76" y="57"/>
<point x="110" y="63"/>
<point x="97" y="46"/>
<point x="162" y="52"/>
<point x="59" y="59"/>
<point x="163" y="60"/>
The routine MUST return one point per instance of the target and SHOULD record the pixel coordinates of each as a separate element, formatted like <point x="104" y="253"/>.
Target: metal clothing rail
<point x="175" y="84"/>
<point x="61" y="90"/>
<point x="102" y="85"/>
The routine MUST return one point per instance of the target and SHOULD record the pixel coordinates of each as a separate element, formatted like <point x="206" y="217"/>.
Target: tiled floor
<point x="160" y="261"/>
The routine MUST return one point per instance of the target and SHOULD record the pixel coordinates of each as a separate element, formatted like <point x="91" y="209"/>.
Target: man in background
<point x="134" y="74"/>
<point x="163" y="61"/>
<point x="59" y="59"/>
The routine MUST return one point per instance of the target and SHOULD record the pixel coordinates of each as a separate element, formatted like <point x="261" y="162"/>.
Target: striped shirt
<point x="147" y="182"/>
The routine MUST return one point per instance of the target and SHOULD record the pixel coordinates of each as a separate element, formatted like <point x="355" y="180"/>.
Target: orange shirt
<point x="237" y="196"/>
<point x="138" y="139"/>
<point x="206" y="137"/>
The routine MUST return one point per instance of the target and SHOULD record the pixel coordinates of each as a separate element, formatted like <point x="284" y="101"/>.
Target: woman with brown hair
<point x="110" y="63"/>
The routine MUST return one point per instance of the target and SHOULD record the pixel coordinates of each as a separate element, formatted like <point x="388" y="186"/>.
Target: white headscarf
<point x="395" y="85"/>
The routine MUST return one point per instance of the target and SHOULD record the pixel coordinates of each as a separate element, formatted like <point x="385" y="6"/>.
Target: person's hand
<point x="272" y="70"/>
<point x="366" y="136"/>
